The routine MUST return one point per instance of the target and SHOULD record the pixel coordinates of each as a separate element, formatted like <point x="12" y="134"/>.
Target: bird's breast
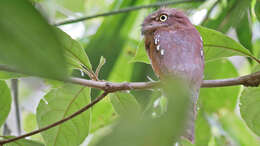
<point x="176" y="53"/>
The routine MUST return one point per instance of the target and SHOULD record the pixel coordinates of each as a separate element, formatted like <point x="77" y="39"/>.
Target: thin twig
<point x="58" y="122"/>
<point x="124" y="10"/>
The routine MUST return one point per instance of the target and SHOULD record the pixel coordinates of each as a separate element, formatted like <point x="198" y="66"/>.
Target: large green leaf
<point x="229" y="14"/>
<point x="213" y="99"/>
<point x="148" y="131"/>
<point x="58" y="104"/>
<point x="249" y="108"/>
<point x="102" y="115"/>
<point x="108" y="40"/>
<point x="244" y="32"/>
<point x="5" y="101"/>
<point x="23" y="142"/>
<point x="216" y="46"/>
<point x="237" y="130"/>
<point x="28" y="42"/>
<point x="125" y="103"/>
<point x="77" y="56"/>
<point x="202" y="129"/>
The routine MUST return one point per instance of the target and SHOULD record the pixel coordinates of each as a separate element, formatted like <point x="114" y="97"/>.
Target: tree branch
<point x="129" y="9"/>
<point x="58" y="122"/>
<point x="252" y="80"/>
<point x="247" y="80"/>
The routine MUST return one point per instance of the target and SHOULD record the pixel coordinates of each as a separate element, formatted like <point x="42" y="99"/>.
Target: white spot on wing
<point x="156" y="41"/>
<point x="201" y="52"/>
<point x="162" y="52"/>
<point x="158" y="47"/>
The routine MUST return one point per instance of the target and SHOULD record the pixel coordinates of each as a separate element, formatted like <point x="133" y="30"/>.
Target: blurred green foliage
<point x="6" y="100"/>
<point x="29" y="44"/>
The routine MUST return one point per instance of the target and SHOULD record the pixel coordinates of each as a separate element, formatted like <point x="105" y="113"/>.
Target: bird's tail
<point x="192" y="113"/>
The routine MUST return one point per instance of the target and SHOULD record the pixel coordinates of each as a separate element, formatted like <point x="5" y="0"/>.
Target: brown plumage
<point x="175" y="49"/>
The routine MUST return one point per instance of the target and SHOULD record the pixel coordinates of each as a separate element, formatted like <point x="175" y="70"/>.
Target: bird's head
<point x="165" y="18"/>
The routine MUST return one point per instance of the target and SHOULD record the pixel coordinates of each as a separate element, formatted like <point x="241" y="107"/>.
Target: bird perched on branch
<point x="175" y="49"/>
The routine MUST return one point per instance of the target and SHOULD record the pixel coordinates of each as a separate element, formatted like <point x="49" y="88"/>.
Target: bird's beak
<point x="147" y="28"/>
<point x="150" y="28"/>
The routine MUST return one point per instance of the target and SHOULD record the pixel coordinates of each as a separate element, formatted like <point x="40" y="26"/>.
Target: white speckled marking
<point x="156" y="41"/>
<point x="201" y="38"/>
<point x="158" y="47"/>
<point x="162" y="52"/>
<point x="201" y="52"/>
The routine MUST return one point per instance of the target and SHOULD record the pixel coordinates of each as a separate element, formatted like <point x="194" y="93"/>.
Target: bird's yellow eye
<point x="163" y="18"/>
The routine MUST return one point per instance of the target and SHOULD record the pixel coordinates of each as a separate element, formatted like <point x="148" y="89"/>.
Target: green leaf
<point x="28" y="42"/>
<point x="257" y="10"/>
<point x="244" y="32"/>
<point x="217" y="45"/>
<point x="23" y="142"/>
<point x="8" y="75"/>
<point x="102" y="114"/>
<point x="99" y="134"/>
<point x="249" y="108"/>
<point x="108" y="40"/>
<point x="213" y="99"/>
<point x="237" y="129"/>
<point x="125" y="103"/>
<point x="140" y="55"/>
<point x="74" y="51"/>
<point x="102" y="62"/>
<point x="256" y="47"/>
<point x="29" y="124"/>
<point x="202" y="129"/>
<point x="58" y="104"/>
<point x="72" y="6"/>
<point x="227" y="14"/>
<point x="148" y="131"/>
<point x="5" y="101"/>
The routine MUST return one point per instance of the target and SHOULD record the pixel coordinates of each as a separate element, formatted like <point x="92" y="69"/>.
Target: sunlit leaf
<point x="237" y="129"/>
<point x="103" y="114"/>
<point x="141" y="55"/>
<point x="164" y="130"/>
<point x="256" y="47"/>
<point x="125" y="103"/>
<point x="202" y="129"/>
<point x="244" y="32"/>
<point x="73" y="50"/>
<point x="58" y="104"/>
<point x="217" y="45"/>
<point x="249" y="108"/>
<point x="213" y="99"/>
<point x="28" y="42"/>
<point x="5" y="101"/>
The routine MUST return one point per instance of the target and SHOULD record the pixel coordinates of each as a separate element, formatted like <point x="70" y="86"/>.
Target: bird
<point x="175" y="49"/>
